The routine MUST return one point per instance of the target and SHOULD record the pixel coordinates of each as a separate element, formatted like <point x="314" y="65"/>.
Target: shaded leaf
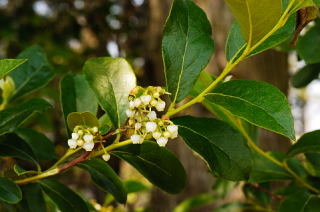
<point x="308" y="143"/>
<point x="7" y="65"/>
<point x="194" y="202"/>
<point x="82" y="118"/>
<point x="9" y="191"/>
<point x="301" y="201"/>
<point x="306" y="75"/>
<point x="233" y="207"/>
<point x="134" y="186"/>
<point x="308" y="46"/>
<point x="33" y="200"/>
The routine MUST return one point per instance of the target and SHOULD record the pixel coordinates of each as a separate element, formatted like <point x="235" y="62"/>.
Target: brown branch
<point x="74" y="162"/>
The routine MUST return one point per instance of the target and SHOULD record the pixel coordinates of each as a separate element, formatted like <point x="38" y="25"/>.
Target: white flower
<point x="135" y="139"/>
<point x="160" y="105"/>
<point x="174" y="135"/>
<point x="106" y="157"/>
<point x="95" y="129"/>
<point x="172" y="129"/>
<point x="137" y="102"/>
<point x="72" y="143"/>
<point x="88" y="138"/>
<point x="75" y="136"/>
<point x="80" y="142"/>
<point x="137" y="125"/>
<point x="166" y="134"/>
<point x="130" y="113"/>
<point x="146" y="99"/>
<point x="152" y="115"/>
<point x="153" y="102"/>
<point x="88" y="146"/>
<point x="156" y="135"/>
<point x="151" y="126"/>
<point x="162" y="141"/>
<point x="131" y="104"/>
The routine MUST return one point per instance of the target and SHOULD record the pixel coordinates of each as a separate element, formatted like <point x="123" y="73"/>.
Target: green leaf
<point x="308" y="143"/>
<point x="313" y="164"/>
<point x="257" y="195"/>
<point x="259" y="103"/>
<point x="21" y="171"/>
<point x="300" y="202"/>
<point x="306" y="75"/>
<point x="84" y="118"/>
<point x="7" y="65"/>
<point x="194" y="202"/>
<point x="66" y="199"/>
<point x="111" y="79"/>
<point x="33" y="200"/>
<point x="135" y="186"/>
<point x="105" y="178"/>
<point x="256" y="18"/>
<point x="13" y="117"/>
<point x="9" y="191"/>
<point x="76" y="95"/>
<point x="222" y="147"/>
<point x="186" y="47"/>
<point x="157" y="164"/>
<point x="32" y="75"/>
<point x="233" y="207"/>
<point x="263" y="170"/>
<point x="308" y="46"/>
<point x="203" y="81"/>
<point x="41" y="146"/>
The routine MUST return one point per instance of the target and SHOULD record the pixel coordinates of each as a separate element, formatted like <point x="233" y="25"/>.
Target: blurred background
<point x="71" y="31"/>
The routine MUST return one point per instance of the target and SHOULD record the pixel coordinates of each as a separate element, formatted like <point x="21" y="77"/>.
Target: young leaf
<point x="84" y="118"/>
<point x="186" y="47"/>
<point x="308" y="46"/>
<point x="9" y="191"/>
<point x="32" y="75"/>
<point x="256" y="102"/>
<point x="111" y="79"/>
<point x="194" y="202"/>
<point x="33" y="200"/>
<point x="105" y="178"/>
<point x="256" y="18"/>
<point x="41" y="146"/>
<point x="306" y="75"/>
<point x="223" y="148"/>
<point x="308" y="143"/>
<point x="300" y="202"/>
<point x="76" y="95"/>
<point x="13" y="117"/>
<point x="157" y="164"/>
<point x="7" y="65"/>
<point x="66" y="199"/>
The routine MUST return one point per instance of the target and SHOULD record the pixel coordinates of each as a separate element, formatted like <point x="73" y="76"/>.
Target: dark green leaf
<point x="135" y="186"/>
<point x="34" y="74"/>
<point x="21" y="171"/>
<point x="7" y="65"/>
<point x="65" y="198"/>
<point x="313" y="163"/>
<point x="256" y="102"/>
<point x="82" y="118"/>
<point x="223" y="148"/>
<point x="13" y="117"/>
<point x="308" y="143"/>
<point x="9" y="191"/>
<point x="76" y="95"/>
<point x="255" y="194"/>
<point x="111" y="79"/>
<point x="300" y="202"/>
<point x="308" y="46"/>
<point x="194" y="202"/>
<point x="105" y="178"/>
<point x="33" y="200"/>
<point x="305" y="75"/>
<point x="157" y="164"/>
<point x="186" y="47"/>
<point x="233" y="207"/>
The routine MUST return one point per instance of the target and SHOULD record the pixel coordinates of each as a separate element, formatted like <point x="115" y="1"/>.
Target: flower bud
<point x="156" y="95"/>
<point x="95" y="129"/>
<point x="88" y="146"/>
<point x="80" y="132"/>
<point x="153" y="102"/>
<point x="80" y="142"/>
<point x="146" y="99"/>
<point x="137" y="102"/>
<point x="75" y="136"/>
<point x="88" y="138"/>
<point x="152" y="115"/>
<point x="151" y="126"/>
<point x="137" y="125"/>
<point x="172" y="128"/>
<point x="72" y="143"/>
<point x="162" y="141"/>
<point x="136" y="139"/>
<point x="130" y="113"/>
<point x="160" y="105"/>
<point x="131" y="104"/>
<point x="156" y="135"/>
<point x="166" y="134"/>
<point x="106" y="157"/>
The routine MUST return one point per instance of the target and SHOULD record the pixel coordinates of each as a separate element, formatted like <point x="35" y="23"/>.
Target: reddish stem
<point x="274" y="196"/>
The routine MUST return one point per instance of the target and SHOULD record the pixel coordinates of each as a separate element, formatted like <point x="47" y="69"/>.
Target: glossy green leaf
<point x="256" y="18"/>
<point x="7" y="65"/>
<point x="66" y="199"/>
<point x="21" y="171"/>
<point x="306" y="75"/>
<point x="300" y="202"/>
<point x="9" y="191"/>
<point x="76" y="95"/>
<point x="203" y="81"/>
<point x="105" y="178"/>
<point x="194" y="202"/>
<point x="12" y="118"/>
<point x="259" y="103"/>
<point x="111" y="79"/>
<point x="222" y="147"/>
<point x="82" y="118"/>
<point x="34" y="74"/>
<point x="41" y="146"/>
<point x="135" y="186"/>
<point x="308" y="143"/>
<point x="308" y="46"/>
<point x="33" y="200"/>
<point x="186" y="47"/>
<point x="155" y="163"/>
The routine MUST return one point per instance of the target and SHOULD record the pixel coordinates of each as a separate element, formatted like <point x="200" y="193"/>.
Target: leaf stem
<point x="111" y="147"/>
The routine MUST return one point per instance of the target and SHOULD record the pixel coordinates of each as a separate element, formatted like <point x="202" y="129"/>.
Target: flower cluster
<point x="143" y="120"/>
<point x="83" y="137"/>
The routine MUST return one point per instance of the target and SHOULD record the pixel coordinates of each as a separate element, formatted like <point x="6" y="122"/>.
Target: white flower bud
<point x="106" y="157"/>
<point x="156" y="135"/>
<point x="95" y="129"/>
<point x="152" y="115"/>
<point x="162" y="141"/>
<point x="166" y="134"/>
<point x="130" y="113"/>
<point x="80" y="132"/>
<point x="88" y="146"/>
<point x="136" y="139"/>
<point x="88" y="138"/>
<point x="174" y="135"/>
<point x="137" y="102"/>
<point x="151" y="126"/>
<point x="156" y="95"/>
<point x="72" y="143"/>
<point x="153" y="102"/>
<point x="80" y="142"/>
<point x="172" y="129"/>
<point x="160" y="105"/>
<point x="75" y="136"/>
<point x="146" y="99"/>
<point x="131" y="104"/>
<point x="137" y="125"/>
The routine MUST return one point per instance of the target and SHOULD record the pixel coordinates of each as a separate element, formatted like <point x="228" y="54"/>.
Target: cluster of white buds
<point x="143" y="120"/>
<point x="83" y="137"/>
